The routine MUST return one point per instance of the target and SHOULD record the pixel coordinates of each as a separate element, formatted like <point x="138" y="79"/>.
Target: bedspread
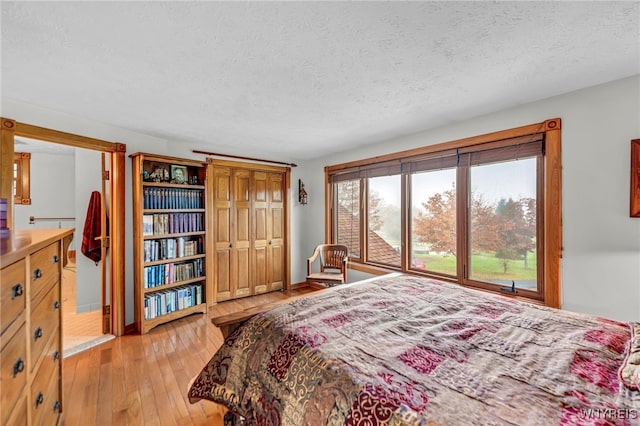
<point x="416" y="351"/>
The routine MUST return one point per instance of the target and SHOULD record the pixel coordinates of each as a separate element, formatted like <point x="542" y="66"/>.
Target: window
<point x="383" y="220"/>
<point x="433" y="243"/>
<point x="483" y="212"/>
<point x="347" y="210"/>
<point x="502" y="223"/>
<point x="21" y="178"/>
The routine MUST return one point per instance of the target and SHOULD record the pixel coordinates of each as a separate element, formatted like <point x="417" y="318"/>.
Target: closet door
<point x="222" y="211"/>
<point x="275" y="231"/>
<point x="250" y="229"/>
<point x="241" y="234"/>
<point x="260" y="232"/>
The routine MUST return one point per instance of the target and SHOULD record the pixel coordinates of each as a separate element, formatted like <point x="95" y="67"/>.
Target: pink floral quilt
<point x="406" y="350"/>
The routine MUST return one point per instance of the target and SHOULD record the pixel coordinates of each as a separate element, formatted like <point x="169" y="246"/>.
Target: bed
<point x="406" y="350"/>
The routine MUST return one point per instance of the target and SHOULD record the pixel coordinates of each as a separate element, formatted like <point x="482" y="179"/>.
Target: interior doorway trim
<point x="11" y="128"/>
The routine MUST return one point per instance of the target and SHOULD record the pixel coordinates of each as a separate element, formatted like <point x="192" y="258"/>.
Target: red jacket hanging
<point x="91" y="247"/>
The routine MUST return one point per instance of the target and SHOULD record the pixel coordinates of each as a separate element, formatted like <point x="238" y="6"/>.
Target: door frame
<point x="11" y="128"/>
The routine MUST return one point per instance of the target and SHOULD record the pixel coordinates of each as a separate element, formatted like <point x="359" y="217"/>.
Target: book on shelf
<point x="172" y="223"/>
<point x="169" y="273"/>
<point x="172" y="198"/>
<point x="147" y="224"/>
<point x="167" y="301"/>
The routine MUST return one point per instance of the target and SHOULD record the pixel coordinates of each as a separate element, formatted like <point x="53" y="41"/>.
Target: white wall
<point x="601" y="260"/>
<point x="52" y="185"/>
<point x="601" y="265"/>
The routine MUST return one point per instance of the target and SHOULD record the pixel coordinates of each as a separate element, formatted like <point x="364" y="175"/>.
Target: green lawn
<point x="484" y="266"/>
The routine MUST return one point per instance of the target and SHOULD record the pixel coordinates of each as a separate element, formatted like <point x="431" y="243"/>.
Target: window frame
<point x="549" y="209"/>
<point x="465" y="176"/>
<point x="22" y="181"/>
<point x="360" y="236"/>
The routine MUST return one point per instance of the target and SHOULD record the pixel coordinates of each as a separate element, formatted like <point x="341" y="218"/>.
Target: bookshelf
<point x="170" y="239"/>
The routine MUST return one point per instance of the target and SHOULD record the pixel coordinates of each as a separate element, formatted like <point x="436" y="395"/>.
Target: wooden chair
<point x="333" y="264"/>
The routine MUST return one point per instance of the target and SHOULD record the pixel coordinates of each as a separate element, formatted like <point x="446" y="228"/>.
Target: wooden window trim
<point x="551" y="216"/>
<point x="23" y="178"/>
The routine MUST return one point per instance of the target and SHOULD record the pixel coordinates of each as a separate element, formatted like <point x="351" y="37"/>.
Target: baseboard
<point x="130" y="328"/>
<point x="72" y="255"/>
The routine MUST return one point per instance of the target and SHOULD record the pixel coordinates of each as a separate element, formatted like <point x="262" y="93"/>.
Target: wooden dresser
<point x="31" y="331"/>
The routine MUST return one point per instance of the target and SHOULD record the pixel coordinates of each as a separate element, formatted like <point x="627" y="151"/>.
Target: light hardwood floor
<point x="143" y="379"/>
<point x="79" y="330"/>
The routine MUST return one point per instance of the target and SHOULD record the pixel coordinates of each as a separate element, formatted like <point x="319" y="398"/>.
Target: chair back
<point x="332" y="256"/>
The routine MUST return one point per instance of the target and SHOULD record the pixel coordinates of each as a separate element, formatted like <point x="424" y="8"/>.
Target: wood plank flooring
<point x="79" y="330"/>
<point x="143" y="379"/>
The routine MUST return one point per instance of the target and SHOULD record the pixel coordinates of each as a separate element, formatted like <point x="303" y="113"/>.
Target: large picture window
<point x="383" y="220"/>
<point x="433" y="242"/>
<point x="502" y="223"/>
<point x="483" y="212"/>
<point x="347" y="200"/>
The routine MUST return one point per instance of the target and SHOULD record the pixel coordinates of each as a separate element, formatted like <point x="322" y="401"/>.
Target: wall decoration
<point x="635" y="178"/>
<point x="302" y="194"/>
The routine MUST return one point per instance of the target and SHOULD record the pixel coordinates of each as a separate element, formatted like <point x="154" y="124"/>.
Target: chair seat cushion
<point x="325" y="276"/>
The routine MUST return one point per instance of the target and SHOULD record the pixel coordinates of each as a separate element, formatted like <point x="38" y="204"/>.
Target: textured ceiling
<point x="294" y="80"/>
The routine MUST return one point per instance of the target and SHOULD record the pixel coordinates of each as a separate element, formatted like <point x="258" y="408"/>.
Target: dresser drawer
<point x="45" y="400"/>
<point x="13" y="375"/>
<point x="18" y="416"/>
<point x="51" y="361"/>
<point x="44" y="269"/>
<point x="12" y="293"/>
<point x="45" y="318"/>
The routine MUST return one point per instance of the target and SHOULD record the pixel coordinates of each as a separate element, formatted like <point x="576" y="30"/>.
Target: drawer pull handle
<point x="56" y="304"/>
<point x="37" y="274"/>
<point x="56" y="406"/>
<point x="56" y="355"/>
<point x="18" y="367"/>
<point x="39" y="399"/>
<point x="56" y="259"/>
<point x="37" y="334"/>
<point x="16" y="291"/>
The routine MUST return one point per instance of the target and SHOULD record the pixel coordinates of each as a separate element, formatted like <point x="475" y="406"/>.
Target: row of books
<point x="172" y="223"/>
<point x="170" y="273"/>
<point x="4" y="207"/>
<point x="175" y="299"/>
<point x="172" y="198"/>
<point x="171" y="248"/>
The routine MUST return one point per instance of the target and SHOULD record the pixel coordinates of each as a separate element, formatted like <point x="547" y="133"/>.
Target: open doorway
<point x="67" y="190"/>
<point x="112" y="175"/>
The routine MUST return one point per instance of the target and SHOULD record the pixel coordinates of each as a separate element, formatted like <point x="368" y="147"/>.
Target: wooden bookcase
<point x="170" y="234"/>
